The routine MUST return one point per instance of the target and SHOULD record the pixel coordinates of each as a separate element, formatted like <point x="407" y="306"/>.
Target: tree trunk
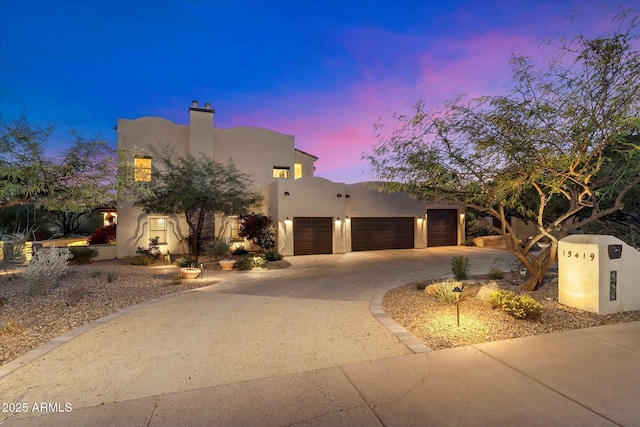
<point x="538" y="266"/>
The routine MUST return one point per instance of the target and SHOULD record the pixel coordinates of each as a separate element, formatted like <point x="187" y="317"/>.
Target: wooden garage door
<point x="368" y="234"/>
<point x="312" y="236"/>
<point x="442" y="227"/>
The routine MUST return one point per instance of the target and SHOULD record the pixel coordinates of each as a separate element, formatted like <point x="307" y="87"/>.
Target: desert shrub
<point x="140" y="260"/>
<point x="460" y="267"/>
<point x="74" y="294"/>
<point x="240" y="250"/>
<point x="103" y="235"/>
<point x="220" y="247"/>
<point x="258" y="228"/>
<point x="46" y="266"/>
<point x="250" y="262"/>
<point x="185" y="262"/>
<point x="95" y="274"/>
<point x="83" y="254"/>
<point x="443" y="291"/>
<point x="152" y="251"/>
<point x="519" y="306"/>
<point x="111" y="276"/>
<point x="273" y="255"/>
<point x="496" y="274"/>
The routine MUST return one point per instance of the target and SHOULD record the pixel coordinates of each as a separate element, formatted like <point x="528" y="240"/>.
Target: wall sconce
<point x="462" y="216"/>
<point x="420" y="220"/>
<point x="339" y="195"/>
<point x="338" y="220"/>
<point x="287" y="221"/>
<point x="346" y="196"/>
<point x="286" y="193"/>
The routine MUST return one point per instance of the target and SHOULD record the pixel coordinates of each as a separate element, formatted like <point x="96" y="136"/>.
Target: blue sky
<point x="324" y="71"/>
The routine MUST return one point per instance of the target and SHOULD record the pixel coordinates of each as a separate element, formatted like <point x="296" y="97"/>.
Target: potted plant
<point x="191" y="272"/>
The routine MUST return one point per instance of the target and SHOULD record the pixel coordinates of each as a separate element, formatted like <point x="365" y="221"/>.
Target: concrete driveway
<point x="251" y="325"/>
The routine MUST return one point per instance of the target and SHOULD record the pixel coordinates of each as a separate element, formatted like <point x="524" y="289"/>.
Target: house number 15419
<point x="578" y="255"/>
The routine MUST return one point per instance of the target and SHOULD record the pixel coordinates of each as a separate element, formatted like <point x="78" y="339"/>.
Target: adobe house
<point x="312" y="215"/>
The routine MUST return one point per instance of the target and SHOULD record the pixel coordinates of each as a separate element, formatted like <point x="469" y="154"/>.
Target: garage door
<point x="368" y="234"/>
<point x="312" y="236"/>
<point x="442" y="227"/>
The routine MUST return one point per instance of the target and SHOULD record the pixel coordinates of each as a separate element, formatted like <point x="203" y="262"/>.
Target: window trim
<point x="281" y="170"/>
<point x="142" y="173"/>
<point x="153" y="230"/>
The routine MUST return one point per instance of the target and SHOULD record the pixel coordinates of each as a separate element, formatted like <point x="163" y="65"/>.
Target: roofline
<point x="305" y="153"/>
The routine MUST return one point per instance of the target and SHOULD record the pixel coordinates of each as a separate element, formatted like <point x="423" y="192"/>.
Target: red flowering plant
<point x="257" y="228"/>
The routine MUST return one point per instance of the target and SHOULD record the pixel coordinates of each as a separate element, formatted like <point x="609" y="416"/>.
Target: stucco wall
<point x="585" y="274"/>
<point x="255" y="151"/>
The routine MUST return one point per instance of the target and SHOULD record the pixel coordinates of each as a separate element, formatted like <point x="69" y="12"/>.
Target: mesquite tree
<point x="193" y="186"/>
<point x="559" y="149"/>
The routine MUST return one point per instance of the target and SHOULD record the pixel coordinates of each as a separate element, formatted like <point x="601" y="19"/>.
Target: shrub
<point x="250" y="262"/>
<point x="111" y="276"/>
<point x="519" y="306"/>
<point x="95" y="274"/>
<point x="11" y="251"/>
<point x="185" y="262"/>
<point x="220" y="247"/>
<point x="443" y="291"/>
<point x="496" y="274"/>
<point x="273" y="255"/>
<point x="240" y="250"/>
<point x="103" y="235"/>
<point x="83" y="254"/>
<point x="460" y="267"/>
<point x="258" y="228"/>
<point x="140" y="260"/>
<point x="46" y="266"/>
<point x="151" y="251"/>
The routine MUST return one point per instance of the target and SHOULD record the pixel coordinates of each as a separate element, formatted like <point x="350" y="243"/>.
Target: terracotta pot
<point x="227" y="264"/>
<point x="190" y="273"/>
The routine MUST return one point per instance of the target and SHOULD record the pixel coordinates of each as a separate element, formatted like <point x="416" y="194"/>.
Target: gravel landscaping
<point x="435" y="322"/>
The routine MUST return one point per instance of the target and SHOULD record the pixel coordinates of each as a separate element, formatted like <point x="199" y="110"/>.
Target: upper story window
<point x="143" y="169"/>
<point x="297" y="170"/>
<point x="282" y="172"/>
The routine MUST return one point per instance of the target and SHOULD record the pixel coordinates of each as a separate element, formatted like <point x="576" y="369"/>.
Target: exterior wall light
<point x="339" y="195"/>
<point x="346" y="196"/>
<point x="286" y="193"/>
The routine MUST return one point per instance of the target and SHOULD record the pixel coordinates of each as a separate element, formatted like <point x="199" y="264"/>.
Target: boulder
<point x="486" y="290"/>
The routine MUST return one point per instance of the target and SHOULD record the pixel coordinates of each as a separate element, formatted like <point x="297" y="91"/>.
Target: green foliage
<point x="240" y="250"/>
<point x="559" y="148"/>
<point x="189" y="184"/>
<point x="152" y="251"/>
<point x="250" y="262"/>
<point x="220" y="247"/>
<point x="44" y="269"/>
<point x="518" y="306"/>
<point x="95" y="274"/>
<point x="111" y="276"/>
<point x="443" y="291"/>
<point x="77" y="181"/>
<point x="273" y="255"/>
<point x="257" y="228"/>
<point x="185" y="262"/>
<point x="83" y="254"/>
<point x="460" y="267"/>
<point x="496" y="274"/>
<point x="140" y="260"/>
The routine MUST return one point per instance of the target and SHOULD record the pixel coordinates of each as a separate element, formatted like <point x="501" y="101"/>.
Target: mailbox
<point x="597" y="273"/>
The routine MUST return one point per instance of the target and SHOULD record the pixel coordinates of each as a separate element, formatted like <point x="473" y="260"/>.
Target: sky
<point x="324" y="71"/>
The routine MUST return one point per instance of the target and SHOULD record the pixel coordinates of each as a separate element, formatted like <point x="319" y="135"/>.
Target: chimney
<point x="201" y="129"/>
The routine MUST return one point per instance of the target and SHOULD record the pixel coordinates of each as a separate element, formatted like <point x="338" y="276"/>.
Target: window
<point x="158" y="228"/>
<point x="281" y="172"/>
<point x="233" y="229"/>
<point x="297" y="170"/>
<point x="143" y="169"/>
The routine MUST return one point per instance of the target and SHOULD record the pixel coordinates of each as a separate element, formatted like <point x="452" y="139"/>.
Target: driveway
<point x="249" y="326"/>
